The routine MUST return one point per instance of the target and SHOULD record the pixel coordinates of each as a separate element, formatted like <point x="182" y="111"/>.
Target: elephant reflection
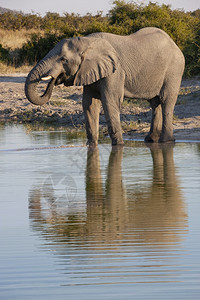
<point x="159" y="210"/>
<point x="106" y="206"/>
<point x="153" y="214"/>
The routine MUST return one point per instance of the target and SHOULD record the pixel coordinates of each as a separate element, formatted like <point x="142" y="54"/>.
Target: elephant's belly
<point x="140" y="94"/>
<point x="143" y="89"/>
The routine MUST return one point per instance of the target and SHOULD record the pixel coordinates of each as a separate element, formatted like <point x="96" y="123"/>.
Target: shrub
<point x="4" y="54"/>
<point x="192" y="54"/>
<point x="37" y="47"/>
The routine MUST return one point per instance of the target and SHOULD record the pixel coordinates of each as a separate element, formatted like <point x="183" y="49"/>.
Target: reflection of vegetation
<point x="56" y="134"/>
<point x="69" y="132"/>
<point x="152" y="211"/>
<point x="124" y="18"/>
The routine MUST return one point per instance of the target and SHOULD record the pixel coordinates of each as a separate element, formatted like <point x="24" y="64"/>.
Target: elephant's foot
<point x="152" y="138"/>
<point x="117" y="142"/>
<point x="92" y="143"/>
<point x="168" y="139"/>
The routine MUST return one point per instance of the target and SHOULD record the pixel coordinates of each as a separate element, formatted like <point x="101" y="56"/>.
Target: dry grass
<point x="15" y="39"/>
<point x="5" y="69"/>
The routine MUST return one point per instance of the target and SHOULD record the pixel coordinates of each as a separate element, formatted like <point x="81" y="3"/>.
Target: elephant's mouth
<point x="63" y="78"/>
<point x="50" y="81"/>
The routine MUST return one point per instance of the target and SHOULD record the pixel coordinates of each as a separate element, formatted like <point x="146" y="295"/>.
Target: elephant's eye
<point x="64" y="59"/>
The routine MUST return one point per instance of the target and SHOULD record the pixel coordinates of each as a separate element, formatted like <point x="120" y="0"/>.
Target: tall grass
<point x="15" y="39"/>
<point x="9" y="69"/>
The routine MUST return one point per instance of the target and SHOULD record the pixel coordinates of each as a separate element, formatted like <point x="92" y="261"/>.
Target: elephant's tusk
<point x="46" y="78"/>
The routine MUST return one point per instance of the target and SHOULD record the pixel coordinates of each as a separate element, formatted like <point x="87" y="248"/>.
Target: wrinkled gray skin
<point x="145" y="65"/>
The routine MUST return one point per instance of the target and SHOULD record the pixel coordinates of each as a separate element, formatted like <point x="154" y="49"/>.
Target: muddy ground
<point x="65" y="109"/>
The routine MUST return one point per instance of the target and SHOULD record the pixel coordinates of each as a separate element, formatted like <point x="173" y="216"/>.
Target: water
<point x="97" y="224"/>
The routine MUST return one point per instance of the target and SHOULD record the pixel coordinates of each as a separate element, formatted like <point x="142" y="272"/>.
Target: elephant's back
<point x="110" y="37"/>
<point x="151" y="35"/>
<point x="148" y="36"/>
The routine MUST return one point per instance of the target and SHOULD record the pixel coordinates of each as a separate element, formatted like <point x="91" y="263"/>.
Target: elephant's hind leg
<point x="169" y="97"/>
<point x="91" y="108"/>
<point x="167" y="128"/>
<point x="156" y="122"/>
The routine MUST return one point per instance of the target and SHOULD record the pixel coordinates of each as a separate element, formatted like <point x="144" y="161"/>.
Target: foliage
<point x="124" y="18"/>
<point x="192" y="53"/>
<point x="4" y="54"/>
<point x="17" y="21"/>
<point x="37" y="47"/>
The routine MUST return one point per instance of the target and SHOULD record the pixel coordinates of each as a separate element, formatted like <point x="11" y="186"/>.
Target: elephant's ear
<point x="98" y="61"/>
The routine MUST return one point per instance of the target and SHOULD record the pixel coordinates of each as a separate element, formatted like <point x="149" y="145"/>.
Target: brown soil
<point x="65" y="109"/>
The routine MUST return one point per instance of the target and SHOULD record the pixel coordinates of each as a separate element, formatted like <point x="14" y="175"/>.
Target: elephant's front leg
<point x="91" y="108"/>
<point x="111" y="97"/>
<point x="112" y="116"/>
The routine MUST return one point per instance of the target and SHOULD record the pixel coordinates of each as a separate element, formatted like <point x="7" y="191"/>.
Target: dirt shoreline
<point x="65" y="109"/>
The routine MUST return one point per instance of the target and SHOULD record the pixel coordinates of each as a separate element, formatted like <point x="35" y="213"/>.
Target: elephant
<point x="144" y="65"/>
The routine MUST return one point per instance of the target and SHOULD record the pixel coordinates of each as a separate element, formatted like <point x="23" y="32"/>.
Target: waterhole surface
<point x="102" y="224"/>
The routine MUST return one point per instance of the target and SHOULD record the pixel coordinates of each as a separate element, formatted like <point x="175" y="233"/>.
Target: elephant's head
<point x="75" y="61"/>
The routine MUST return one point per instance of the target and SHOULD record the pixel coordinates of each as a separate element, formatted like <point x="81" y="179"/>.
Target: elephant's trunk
<point x="31" y="84"/>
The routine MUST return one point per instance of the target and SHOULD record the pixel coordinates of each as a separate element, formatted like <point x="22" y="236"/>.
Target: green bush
<point x="37" y="47"/>
<point x="4" y="55"/>
<point x="17" y="21"/>
<point x="192" y="54"/>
